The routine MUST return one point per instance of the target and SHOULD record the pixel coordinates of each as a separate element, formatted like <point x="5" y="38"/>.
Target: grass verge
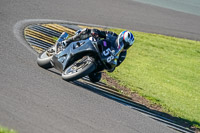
<point x="6" y="130"/>
<point x="166" y="71"/>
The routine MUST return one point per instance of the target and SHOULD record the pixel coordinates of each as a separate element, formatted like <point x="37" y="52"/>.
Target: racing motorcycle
<point x="80" y="58"/>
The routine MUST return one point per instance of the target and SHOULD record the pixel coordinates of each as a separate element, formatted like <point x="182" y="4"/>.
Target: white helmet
<point x="125" y="38"/>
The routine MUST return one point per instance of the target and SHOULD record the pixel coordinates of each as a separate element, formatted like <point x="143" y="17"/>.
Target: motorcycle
<point x="80" y="58"/>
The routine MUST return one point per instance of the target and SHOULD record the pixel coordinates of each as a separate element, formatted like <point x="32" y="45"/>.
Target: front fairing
<point x="73" y="51"/>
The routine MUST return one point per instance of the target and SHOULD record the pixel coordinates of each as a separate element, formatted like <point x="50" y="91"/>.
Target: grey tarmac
<point x="36" y="100"/>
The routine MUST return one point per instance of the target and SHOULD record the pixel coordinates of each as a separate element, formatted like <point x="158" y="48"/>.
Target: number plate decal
<point x="106" y="53"/>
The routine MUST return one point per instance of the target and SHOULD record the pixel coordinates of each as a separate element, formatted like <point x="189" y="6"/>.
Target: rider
<point x="124" y="37"/>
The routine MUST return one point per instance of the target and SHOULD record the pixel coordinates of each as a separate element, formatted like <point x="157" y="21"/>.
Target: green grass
<point x="165" y="70"/>
<point x="6" y="130"/>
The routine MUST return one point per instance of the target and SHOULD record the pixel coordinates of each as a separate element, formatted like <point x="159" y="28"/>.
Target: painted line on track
<point x="39" y="36"/>
<point x="44" y="30"/>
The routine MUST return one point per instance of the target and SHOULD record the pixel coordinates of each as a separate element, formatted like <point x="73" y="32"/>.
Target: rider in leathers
<point x="86" y="33"/>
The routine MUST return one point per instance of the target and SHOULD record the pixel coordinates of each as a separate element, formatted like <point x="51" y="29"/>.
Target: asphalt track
<point x="187" y="6"/>
<point x="36" y="100"/>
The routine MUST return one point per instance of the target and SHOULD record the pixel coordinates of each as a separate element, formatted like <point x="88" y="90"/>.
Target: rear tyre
<point x="43" y="60"/>
<point x="79" y="69"/>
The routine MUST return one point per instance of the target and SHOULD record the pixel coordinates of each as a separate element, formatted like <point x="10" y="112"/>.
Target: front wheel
<point x="44" y="58"/>
<point x="79" y="69"/>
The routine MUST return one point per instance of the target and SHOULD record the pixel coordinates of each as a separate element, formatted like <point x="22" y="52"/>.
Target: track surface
<point x="187" y="6"/>
<point x="36" y="100"/>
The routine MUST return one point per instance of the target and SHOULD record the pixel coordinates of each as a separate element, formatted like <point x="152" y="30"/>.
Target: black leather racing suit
<point x="86" y="33"/>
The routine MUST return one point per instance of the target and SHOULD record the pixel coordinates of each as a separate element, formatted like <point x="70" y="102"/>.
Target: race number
<point x="106" y="53"/>
<point x="110" y="58"/>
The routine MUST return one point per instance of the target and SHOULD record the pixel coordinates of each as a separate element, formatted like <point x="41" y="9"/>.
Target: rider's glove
<point x="95" y="33"/>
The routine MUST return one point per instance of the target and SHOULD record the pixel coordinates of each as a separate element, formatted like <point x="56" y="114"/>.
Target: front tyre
<point x="79" y="69"/>
<point x="43" y="60"/>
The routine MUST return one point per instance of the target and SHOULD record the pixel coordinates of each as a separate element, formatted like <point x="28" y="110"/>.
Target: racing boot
<point x="95" y="77"/>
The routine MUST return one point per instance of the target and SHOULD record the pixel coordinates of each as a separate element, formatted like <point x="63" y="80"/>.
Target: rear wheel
<point x="79" y="69"/>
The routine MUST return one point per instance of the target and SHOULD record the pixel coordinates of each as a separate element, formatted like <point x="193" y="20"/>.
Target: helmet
<point x="125" y="38"/>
